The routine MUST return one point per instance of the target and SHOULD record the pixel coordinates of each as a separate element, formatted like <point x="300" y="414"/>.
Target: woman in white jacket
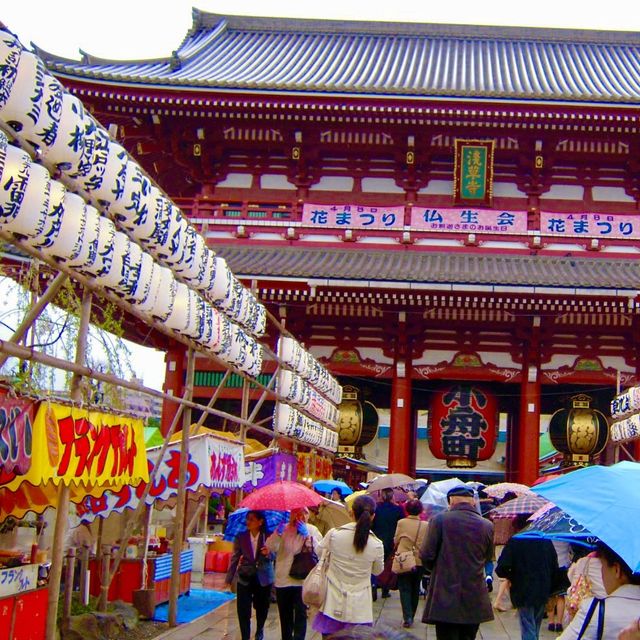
<point x="621" y="607"/>
<point x="356" y="553"/>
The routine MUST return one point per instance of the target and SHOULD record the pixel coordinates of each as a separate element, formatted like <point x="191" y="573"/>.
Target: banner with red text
<point x="213" y="464"/>
<point x="84" y="447"/>
<point x="468" y="220"/>
<point x="590" y="225"/>
<point x="351" y="216"/>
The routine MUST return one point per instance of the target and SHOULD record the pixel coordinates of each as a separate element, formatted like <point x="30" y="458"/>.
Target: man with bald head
<point x="458" y="544"/>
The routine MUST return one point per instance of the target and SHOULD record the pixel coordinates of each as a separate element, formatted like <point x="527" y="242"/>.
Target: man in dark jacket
<point x="384" y="526"/>
<point x="458" y="544"/>
<point x="531" y="566"/>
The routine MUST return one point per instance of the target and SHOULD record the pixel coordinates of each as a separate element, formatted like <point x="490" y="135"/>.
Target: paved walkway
<point x="222" y="624"/>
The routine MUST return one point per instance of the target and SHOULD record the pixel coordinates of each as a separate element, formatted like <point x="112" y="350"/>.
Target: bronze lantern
<point x="579" y="431"/>
<point x="358" y="423"/>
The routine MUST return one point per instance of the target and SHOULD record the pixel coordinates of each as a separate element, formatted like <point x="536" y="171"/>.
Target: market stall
<point x="214" y="464"/>
<point x="44" y="445"/>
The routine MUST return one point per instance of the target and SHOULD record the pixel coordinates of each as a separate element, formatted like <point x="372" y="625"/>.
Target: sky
<point x="139" y="29"/>
<point x="134" y="29"/>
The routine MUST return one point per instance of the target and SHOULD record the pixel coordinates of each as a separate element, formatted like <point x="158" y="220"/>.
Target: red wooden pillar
<point x="400" y="449"/>
<point x="173" y="384"/>
<point x="528" y="453"/>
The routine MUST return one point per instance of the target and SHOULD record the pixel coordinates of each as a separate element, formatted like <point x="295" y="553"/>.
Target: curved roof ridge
<point x="424" y="29"/>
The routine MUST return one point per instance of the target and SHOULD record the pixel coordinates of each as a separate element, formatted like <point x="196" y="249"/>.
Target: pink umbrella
<point x="502" y="488"/>
<point x="282" y="496"/>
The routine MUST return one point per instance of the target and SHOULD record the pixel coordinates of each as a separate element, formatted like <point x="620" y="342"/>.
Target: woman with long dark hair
<point x="355" y="554"/>
<point x="252" y="566"/>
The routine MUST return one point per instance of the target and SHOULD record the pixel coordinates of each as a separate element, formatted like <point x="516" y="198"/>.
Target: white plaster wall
<point x="333" y="183"/>
<point x="275" y="181"/>
<point x="499" y="359"/>
<point x="380" y="185"/>
<point x="506" y="190"/>
<point x="439" y="188"/>
<point x="435" y="356"/>
<point x="610" y="194"/>
<point x="237" y="181"/>
<point x="563" y="192"/>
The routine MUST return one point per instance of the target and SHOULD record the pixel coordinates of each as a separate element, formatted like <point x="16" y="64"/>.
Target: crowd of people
<point x="452" y="556"/>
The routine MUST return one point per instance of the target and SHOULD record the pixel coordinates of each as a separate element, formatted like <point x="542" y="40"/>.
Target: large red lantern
<point x="463" y="423"/>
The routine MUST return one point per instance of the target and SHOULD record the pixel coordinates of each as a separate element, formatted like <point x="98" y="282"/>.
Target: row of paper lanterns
<point x="151" y="256"/>
<point x="626" y="429"/>
<point x="625" y="410"/>
<point x="626" y="403"/>
<point x="62" y="226"/>
<point x="69" y="140"/>
<point x="289" y="422"/>
<point x="301" y="394"/>
<point x="303" y="363"/>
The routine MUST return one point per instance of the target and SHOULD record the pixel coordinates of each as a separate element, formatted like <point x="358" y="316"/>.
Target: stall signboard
<point x="351" y="216"/>
<point x="265" y="470"/>
<point x="213" y="463"/>
<point x="18" y="579"/>
<point x="468" y="220"/>
<point x="84" y="447"/>
<point x="17" y="415"/>
<point x="589" y="225"/>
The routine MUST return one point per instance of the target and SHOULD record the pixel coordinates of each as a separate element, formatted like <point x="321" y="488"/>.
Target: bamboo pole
<point x="64" y="495"/>
<point x="102" y="602"/>
<point x="178" y="530"/>
<point x="145" y="552"/>
<point x="194" y="519"/>
<point x="35" y="310"/>
<point x="68" y="585"/>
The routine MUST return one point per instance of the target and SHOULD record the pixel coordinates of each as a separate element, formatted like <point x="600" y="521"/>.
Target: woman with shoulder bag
<point x="603" y="619"/>
<point x="355" y="554"/>
<point x="410" y="534"/>
<point x="295" y="546"/>
<point x="252" y="565"/>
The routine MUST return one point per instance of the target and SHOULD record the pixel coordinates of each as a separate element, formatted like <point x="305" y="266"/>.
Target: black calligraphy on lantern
<point x="463" y="426"/>
<point x="87" y="447"/>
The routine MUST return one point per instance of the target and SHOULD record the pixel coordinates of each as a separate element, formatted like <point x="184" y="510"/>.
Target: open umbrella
<point x="436" y="493"/>
<point x="522" y="506"/>
<point x="283" y="495"/>
<point x="333" y="514"/>
<point x="237" y="522"/>
<point x="390" y="481"/>
<point x="552" y="523"/>
<point x="502" y="488"/>
<point x="327" y="486"/>
<point x="605" y="500"/>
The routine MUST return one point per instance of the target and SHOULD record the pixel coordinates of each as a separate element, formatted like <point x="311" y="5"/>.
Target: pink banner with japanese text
<point x="350" y="216"/>
<point x="592" y="225"/>
<point x="214" y="464"/>
<point x="468" y="220"/>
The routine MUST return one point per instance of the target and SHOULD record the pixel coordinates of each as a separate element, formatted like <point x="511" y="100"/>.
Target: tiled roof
<point x="432" y="268"/>
<point x="271" y="54"/>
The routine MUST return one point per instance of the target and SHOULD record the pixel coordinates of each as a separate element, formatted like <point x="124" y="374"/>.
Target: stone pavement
<point x="222" y="623"/>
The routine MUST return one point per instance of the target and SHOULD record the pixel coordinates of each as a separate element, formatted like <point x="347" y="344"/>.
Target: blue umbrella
<point x="604" y="500"/>
<point x="327" y="486"/>
<point x="237" y="522"/>
<point x="555" y="524"/>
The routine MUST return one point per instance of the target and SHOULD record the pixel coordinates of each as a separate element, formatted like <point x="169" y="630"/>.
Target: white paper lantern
<point x="166" y="295"/>
<point x="180" y="317"/>
<point x="45" y="131"/>
<point x="204" y="279"/>
<point x="24" y="192"/>
<point x="104" y="249"/>
<point x="53" y="219"/>
<point x="142" y="222"/>
<point x="189" y="270"/>
<point x="89" y="249"/>
<point x="105" y="184"/>
<point x="221" y="336"/>
<point x="68" y="242"/>
<point x="21" y="109"/>
<point x="10" y="53"/>
<point x="140" y="282"/>
<point x="222" y="282"/>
